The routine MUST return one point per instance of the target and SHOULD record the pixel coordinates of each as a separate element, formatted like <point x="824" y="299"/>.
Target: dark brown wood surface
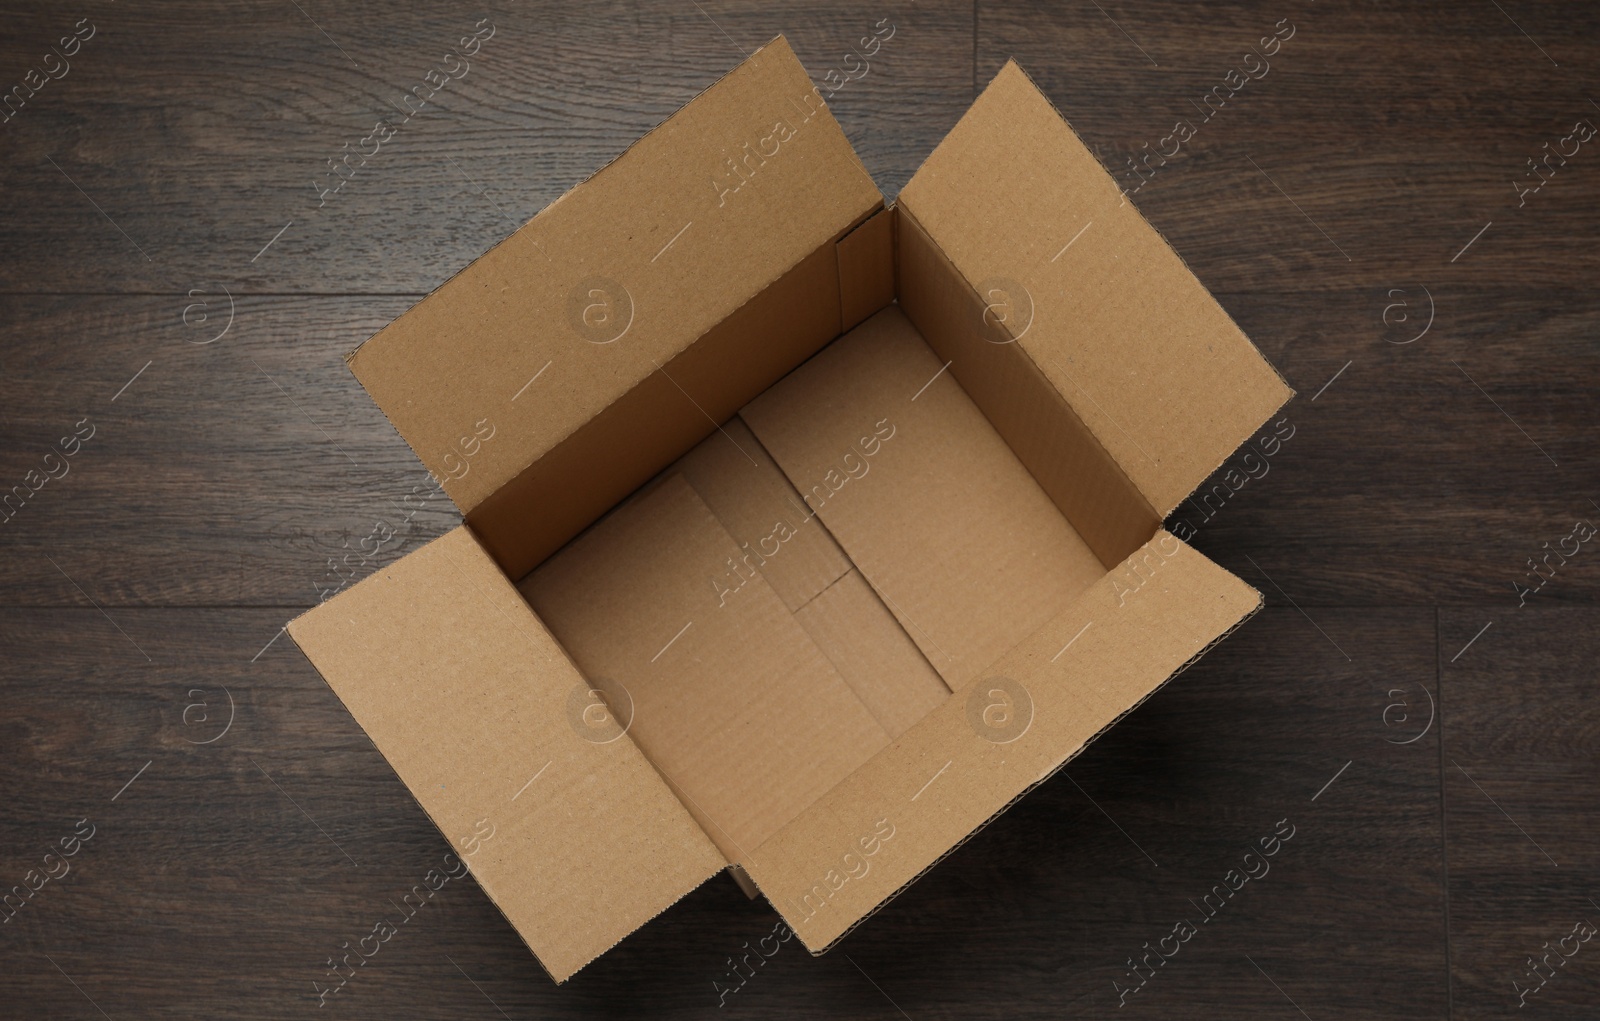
<point x="1434" y="742"/>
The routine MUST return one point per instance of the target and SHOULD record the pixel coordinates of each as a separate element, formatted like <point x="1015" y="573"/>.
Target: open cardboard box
<point x="802" y="535"/>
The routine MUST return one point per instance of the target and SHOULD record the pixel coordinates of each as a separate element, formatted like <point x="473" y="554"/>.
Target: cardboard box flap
<point x="1029" y="714"/>
<point x="495" y="732"/>
<point x="615" y="278"/>
<point x="1071" y="271"/>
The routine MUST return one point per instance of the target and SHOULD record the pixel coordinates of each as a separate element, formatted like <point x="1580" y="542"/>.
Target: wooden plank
<point x="1344" y="126"/>
<point x="221" y="473"/>
<point x="1520" y="785"/>
<point x="202" y="132"/>
<point x="1420" y="473"/>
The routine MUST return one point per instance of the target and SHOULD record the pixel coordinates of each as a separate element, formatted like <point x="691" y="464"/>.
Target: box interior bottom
<point x="781" y="603"/>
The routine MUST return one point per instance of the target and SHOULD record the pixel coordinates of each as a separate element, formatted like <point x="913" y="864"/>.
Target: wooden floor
<point x="177" y="303"/>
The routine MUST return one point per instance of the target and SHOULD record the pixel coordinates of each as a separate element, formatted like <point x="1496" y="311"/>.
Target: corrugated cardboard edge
<point x="1030" y="788"/>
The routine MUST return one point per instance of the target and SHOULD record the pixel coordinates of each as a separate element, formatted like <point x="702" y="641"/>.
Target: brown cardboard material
<point x="803" y="535"/>
<point x="968" y="330"/>
<point x="617" y="278"/>
<point x="786" y="543"/>
<point x="730" y="699"/>
<point x="777" y="535"/>
<point x="474" y="706"/>
<point x="1120" y="327"/>
<point x="873" y="426"/>
<point x="875" y="657"/>
<point x="866" y="270"/>
<point x="667" y="412"/>
<point x="1034" y="709"/>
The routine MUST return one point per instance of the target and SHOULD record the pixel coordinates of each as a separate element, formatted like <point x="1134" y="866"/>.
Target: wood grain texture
<point x="200" y="185"/>
<point x="1521" y="772"/>
<point x="257" y="457"/>
<point x="146" y="588"/>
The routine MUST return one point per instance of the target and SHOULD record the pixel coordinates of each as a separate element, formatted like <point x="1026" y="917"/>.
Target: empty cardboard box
<point x="802" y="535"/>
